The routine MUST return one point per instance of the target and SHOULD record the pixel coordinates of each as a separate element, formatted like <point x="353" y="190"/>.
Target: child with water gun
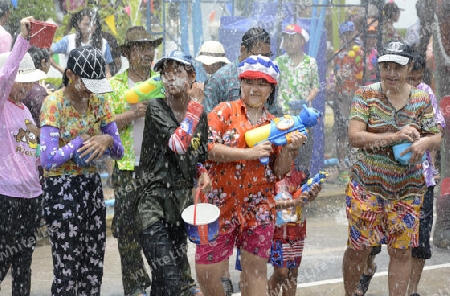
<point x="290" y="228"/>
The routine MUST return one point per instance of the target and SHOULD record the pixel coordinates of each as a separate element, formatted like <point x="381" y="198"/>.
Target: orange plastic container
<point x="41" y="34"/>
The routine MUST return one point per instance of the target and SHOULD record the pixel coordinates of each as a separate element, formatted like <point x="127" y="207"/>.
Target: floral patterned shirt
<point x="296" y="82"/>
<point x="119" y="105"/>
<point x="243" y="190"/>
<point x="58" y="112"/>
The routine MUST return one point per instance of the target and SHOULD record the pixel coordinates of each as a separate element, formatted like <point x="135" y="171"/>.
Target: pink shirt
<point x="18" y="164"/>
<point x="5" y="40"/>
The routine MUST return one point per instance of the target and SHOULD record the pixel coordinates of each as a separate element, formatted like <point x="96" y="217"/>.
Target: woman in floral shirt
<point x="75" y="122"/>
<point x="243" y="187"/>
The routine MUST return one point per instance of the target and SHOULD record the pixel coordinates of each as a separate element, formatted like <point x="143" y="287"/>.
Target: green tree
<point x="40" y="9"/>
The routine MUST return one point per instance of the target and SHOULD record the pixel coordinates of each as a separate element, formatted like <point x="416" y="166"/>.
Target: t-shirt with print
<point x="243" y="190"/>
<point x="167" y="178"/>
<point x="296" y="82"/>
<point x="58" y="112"/>
<point x="377" y="170"/>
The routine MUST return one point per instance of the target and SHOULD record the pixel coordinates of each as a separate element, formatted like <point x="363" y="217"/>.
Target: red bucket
<point x="41" y="34"/>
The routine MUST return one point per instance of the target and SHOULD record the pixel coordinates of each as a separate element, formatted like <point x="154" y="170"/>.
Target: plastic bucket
<point x="41" y="34"/>
<point x="205" y="228"/>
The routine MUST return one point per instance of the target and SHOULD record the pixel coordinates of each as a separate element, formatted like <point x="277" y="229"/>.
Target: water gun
<point x="319" y="178"/>
<point x="143" y="91"/>
<point x="279" y="129"/>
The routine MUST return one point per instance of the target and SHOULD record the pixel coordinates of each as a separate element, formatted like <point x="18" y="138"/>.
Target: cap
<point x="346" y="27"/>
<point x="176" y="55"/>
<point x="212" y="52"/>
<point x="27" y="71"/>
<point x="88" y="63"/>
<point x="296" y="29"/>
<point x="397" y="52"/>
<point x="255" y="67"/>
<point x="139" y="34"/>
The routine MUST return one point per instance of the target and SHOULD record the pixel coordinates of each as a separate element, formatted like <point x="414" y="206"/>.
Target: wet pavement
<point x="319" y="274"/>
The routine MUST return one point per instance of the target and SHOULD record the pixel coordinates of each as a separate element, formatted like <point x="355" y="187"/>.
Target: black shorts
<point x="423" y="250"/>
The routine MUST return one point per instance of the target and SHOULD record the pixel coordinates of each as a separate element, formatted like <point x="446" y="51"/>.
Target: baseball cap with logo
<point x="27" y="71"/>
<point x="296" y="29"/>
<point x="397" y="52"/>
<point x="176" y="55"/>
<point x="88" y="63"/>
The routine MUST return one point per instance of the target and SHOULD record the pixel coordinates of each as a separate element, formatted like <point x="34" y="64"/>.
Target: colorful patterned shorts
<point x="256" y="240"/>
<point x="374" y="221"/>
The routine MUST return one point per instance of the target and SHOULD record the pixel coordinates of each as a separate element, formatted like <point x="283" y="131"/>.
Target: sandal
<point x="196" y="291"/>
<point x="227" y="286"/>
<point x="364" y="282"/>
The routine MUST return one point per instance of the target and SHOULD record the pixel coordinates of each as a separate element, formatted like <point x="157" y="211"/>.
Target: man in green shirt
<point x="139" y="49"/>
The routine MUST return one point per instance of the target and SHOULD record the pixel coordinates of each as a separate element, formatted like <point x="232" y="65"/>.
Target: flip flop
<point x="364" y="282"/>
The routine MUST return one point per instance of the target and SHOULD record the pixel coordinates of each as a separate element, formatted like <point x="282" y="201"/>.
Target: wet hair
<point x="253" y="36"/>
<point x="4" y="7"/>
<point x="389" y="10"/>
<point x="419" y="63"/>
<point x="39" y="54"/>
<point x="96" y="37"/>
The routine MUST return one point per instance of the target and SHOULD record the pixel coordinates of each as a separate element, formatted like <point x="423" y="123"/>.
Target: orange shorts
<point x="373" y="221"/>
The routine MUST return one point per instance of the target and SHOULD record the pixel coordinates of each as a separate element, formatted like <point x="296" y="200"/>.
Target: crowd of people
<point x="190" y="139"/>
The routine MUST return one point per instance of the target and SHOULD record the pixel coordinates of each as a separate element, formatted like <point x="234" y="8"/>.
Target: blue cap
<point x="176" y="55"/>
<point x="346" y="27"/>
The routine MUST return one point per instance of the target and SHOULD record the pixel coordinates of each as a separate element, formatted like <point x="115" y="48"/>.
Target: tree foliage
<point x="40" y="9"/>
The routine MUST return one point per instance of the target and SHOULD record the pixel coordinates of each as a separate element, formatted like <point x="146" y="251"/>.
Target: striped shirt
<point x="376" y="169"/>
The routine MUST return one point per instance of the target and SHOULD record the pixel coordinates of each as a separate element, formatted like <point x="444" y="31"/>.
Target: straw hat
<point x="212" y="52"/>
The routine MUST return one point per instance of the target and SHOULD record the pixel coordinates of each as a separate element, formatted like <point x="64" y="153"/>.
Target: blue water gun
<point x="319" y="178"/>
<point x="279" y="129"/>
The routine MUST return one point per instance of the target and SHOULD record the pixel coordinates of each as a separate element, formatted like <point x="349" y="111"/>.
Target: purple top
<point x="428" y="169"/>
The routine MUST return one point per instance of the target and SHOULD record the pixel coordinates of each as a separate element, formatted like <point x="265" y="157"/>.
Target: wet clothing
<point x="243" y="190"/>
<point x="170" y="155"/>
<point x="134" y="274"/>
<point x="19" y="224"/>
<point x="429" y="170"/>
<point x="168" y="177"/>
<point x="75" y="214"/>
<point x="18" y="163"/>
<point x="62" y="126"/>
<point x="289" y="239"/>
<point x="223" y="86"/>
<point x="5" y="40"/>
<point x="121" y="84"/>
<point x="376" y="170"/>
<point x="296" y="82"/>
<point x="172" y="276"/>
<point x="373" y="221"/>
<point x="74" y="208"/>
<point x="20" y="190"/>
<point x="67" y="43"/>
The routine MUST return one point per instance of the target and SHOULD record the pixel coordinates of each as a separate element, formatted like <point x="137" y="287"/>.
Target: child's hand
<point x="315" y="189"/>
<point x="204" y="182"/>
<point x="261" y="150"/>
<point x="25" y="26"/>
